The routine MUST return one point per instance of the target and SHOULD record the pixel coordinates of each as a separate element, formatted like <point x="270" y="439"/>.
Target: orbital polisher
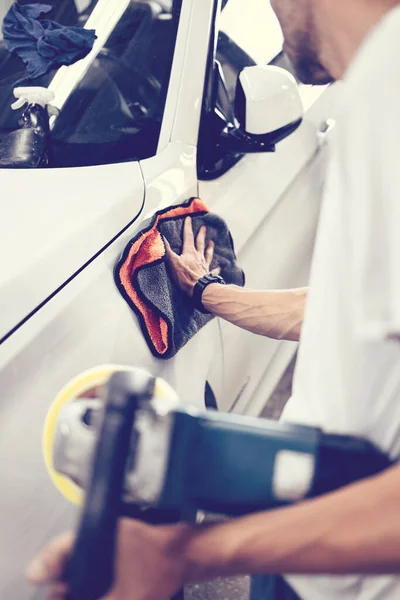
<point x="119" y="442"/>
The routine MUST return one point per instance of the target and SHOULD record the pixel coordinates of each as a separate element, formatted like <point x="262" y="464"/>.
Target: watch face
<point x="216" y="278"/>
<point x="210" y="278"/>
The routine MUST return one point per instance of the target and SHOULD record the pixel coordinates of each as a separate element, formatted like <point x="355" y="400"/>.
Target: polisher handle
<point x="90" y="571"/>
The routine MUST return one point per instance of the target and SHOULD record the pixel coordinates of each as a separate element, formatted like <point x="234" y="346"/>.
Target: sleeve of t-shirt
<point x="369" y="164"/>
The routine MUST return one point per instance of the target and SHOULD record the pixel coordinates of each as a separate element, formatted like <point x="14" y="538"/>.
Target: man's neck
<point x="344" y="24"/>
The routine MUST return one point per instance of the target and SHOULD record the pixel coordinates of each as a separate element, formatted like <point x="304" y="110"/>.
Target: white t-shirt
<point x="348" y="372"/>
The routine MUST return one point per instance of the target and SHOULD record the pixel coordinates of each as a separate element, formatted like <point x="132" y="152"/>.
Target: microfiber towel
<point x="43" y="44"/>
<point x="166" y="314"/>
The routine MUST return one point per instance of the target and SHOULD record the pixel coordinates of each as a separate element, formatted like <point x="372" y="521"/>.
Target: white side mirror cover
<point x="272" y="99"/>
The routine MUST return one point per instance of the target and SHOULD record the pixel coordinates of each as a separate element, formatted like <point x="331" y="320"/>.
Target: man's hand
<point x="195" y="260"/>
<point x="150" y="562"/>
<point x="275" y="314"/>
<point x="353" y="530"/>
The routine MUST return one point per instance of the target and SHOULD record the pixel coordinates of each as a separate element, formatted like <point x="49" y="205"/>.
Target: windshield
<point x="111" y="102"/>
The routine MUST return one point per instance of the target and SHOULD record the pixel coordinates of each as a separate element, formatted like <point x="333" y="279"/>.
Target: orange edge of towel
<point x="152" y="248"/>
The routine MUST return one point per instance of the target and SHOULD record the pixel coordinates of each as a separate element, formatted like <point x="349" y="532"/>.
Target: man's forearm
<point x="275" y="314"/>
<point x="354" y="530"/>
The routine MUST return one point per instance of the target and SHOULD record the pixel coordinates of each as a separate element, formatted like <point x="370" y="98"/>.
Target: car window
<point x="111" y="103"/>
<point x="249" y="33"/>
<point x="244" y="34"/>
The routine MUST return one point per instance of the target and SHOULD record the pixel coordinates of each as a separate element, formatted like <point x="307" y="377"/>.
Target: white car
<point x="139" y="129"/>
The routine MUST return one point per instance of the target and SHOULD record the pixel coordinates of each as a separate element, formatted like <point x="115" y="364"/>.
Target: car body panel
<point x="46" y="236"/>
<point x="278" y="258"/>
<point x="271" y="203"/>
<point x="86" y="324"/>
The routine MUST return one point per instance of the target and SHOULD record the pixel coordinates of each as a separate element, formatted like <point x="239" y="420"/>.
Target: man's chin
<point x="310" y="72"/>
<point x="314" y="78"/>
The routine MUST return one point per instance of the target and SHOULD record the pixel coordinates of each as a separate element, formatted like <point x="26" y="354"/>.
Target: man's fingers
<point x="49" y="565"/>
<point x="59" y="591"/>
<point x="94" y="392"/>
<point x="167" y="246"/>
<point x="201" y="240"/>
<point x="168" y="250"/>
<point x="209" y="253"/>
<point x="188" y="237"/>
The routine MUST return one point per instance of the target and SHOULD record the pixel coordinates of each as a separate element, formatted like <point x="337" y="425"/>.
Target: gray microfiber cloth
<point x="166" y="314"/>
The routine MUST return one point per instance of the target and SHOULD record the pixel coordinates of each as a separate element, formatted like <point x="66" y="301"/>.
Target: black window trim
<point x="205" y="167"/>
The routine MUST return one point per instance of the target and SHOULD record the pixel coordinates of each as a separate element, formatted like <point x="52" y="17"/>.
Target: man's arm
<point x="354" y="530"/>
<point x="275" y="314"/>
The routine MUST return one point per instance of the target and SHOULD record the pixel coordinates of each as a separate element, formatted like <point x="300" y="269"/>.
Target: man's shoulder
<point x="375" y="68"/>
<point x="369" y="112"/>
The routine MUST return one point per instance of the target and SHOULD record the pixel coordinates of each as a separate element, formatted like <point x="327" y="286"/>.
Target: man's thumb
<point x="49" y="565"/>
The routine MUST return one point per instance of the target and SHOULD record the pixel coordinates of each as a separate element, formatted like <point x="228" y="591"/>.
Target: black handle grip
<point x="90" y="571"/>
<point x="344" y="459"/>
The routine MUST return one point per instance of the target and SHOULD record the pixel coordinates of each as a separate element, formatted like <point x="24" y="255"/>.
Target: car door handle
<point x="325" y="130"/>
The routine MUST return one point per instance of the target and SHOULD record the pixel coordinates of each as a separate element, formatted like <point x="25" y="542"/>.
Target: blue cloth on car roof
<point x="43" y="44"/>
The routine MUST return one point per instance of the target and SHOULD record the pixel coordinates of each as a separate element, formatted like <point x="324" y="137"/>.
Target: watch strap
<point x="199" y="288"/>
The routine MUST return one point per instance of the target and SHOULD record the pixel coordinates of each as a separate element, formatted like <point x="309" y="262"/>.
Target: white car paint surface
<point x="63" y="229"/>
<point x="47" y="235"/>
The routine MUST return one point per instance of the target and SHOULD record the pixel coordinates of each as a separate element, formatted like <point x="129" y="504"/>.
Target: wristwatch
<point x="201" y="286"/>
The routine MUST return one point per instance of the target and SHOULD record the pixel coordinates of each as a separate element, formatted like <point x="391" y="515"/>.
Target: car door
<point x="270" y="201"/>
<point x="64" y="228"/>
<point x="56" y="220"/>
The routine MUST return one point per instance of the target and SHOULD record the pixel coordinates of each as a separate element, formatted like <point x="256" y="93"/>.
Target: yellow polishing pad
<point x="75" y="389"/>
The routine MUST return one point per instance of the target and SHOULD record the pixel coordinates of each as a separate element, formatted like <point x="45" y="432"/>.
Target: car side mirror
<point x="268" y="108"/>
